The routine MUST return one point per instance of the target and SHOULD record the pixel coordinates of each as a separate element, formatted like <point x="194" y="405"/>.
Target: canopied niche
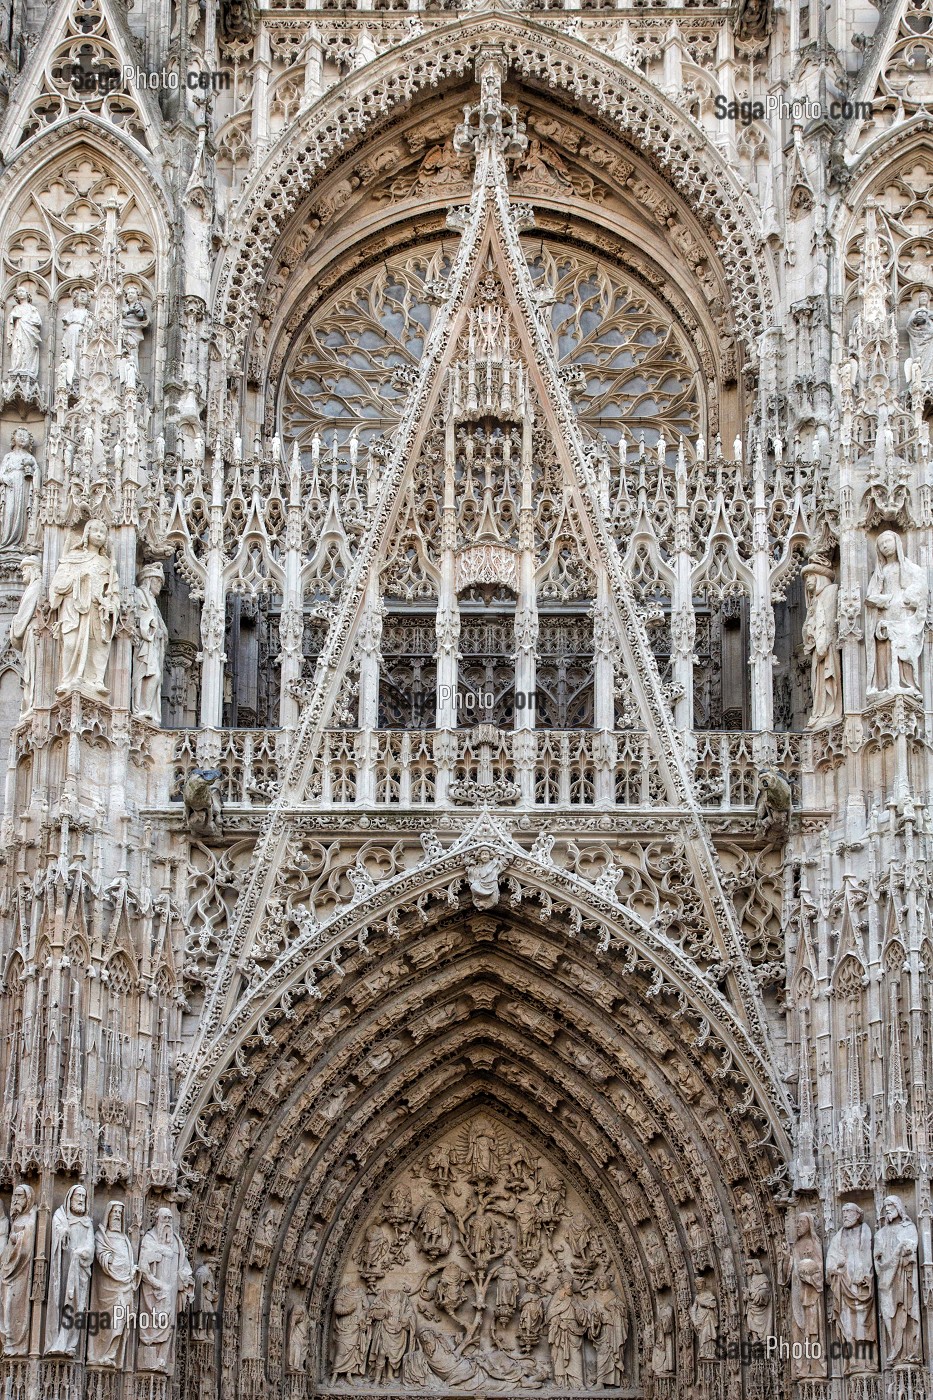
<point x="481" y="1267"/>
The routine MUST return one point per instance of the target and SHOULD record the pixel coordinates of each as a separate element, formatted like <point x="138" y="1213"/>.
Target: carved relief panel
<point x="481" y="1266"/>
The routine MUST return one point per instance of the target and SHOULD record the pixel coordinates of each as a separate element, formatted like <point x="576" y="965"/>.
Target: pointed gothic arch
<point x="616" y="94"/>
<point x="331" y="1101"/>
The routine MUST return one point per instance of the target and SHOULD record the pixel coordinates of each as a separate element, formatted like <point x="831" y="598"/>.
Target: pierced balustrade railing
<point x="556" y="768"/>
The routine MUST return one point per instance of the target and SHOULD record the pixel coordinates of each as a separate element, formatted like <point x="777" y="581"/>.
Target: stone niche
<point x="481" y="1268"/>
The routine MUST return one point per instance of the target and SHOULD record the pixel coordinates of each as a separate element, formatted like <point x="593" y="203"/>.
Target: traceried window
<point x="631" y="369"/>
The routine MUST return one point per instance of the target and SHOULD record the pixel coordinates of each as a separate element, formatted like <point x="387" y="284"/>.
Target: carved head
<point x="23" y="294"/>
<point x="887" y="544"/>
<point x="23" y="439"/>
<point x="892" y="1208"/>
<point x="31" y="567"/>
<point x="96" y="534"/>
<point x="80" y="296"/>
<point x="163" y="1224"/>
<point x="851" y="1215"/>
<point x="113" y="1216"/>
<point x="22" y="1199"/>
<point x="76" y="1200"/>
<point x="152" y="577"/>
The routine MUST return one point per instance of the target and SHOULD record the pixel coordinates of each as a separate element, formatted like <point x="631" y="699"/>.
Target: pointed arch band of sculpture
<point x="293" y="977"/>
<point x="588" y="1112"/>
<point x="618" y="94"/>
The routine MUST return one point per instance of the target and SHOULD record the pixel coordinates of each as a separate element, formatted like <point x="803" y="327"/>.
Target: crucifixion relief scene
<point x="466" y="699"/>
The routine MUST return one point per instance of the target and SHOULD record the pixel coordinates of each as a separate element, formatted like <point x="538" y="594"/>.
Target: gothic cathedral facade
<point x="466" y="529"/>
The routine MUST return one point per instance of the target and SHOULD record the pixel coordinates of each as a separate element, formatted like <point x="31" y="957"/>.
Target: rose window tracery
<point x="632" y="369"/>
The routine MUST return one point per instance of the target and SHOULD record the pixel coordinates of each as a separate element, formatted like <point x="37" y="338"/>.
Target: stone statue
<point x="203" y="804"/>
<point x="166" y="1283"/>
<point x="898" y="1283"/>
<point x="134" y="322"/>
<point x="773" y="804"/>
<point x="608" y="1331"/>
<point x="23" y="338"/>
<point x="896" y="604"/>
<point x="23" y="631"/>
<point x="482" y="874"/>
<point x="704" y="1314"/>
<point x="920" y="337"/>
<point x="662" y="1353"/>
<point x="805" y="1275"/>
<point x="393" y="1334"/>
<point x="149" y="643"/>
<point x="17" y="469"/>
<point x="851" y="1279"/>
<point x="204" y="1301"/>
<point x="821" y="644"/>
<point x="352" y="1330"/>
<point x="69" y="1272"/>
<point x="759" y="1307"/>
<point x="73" y="327"/>
<point x="297" y="1341"/>
<point x="112" y="1288"/>
<point x="16" y="1272"/>
<point x="85" y="593"/>
<point x="566" y="1328"/>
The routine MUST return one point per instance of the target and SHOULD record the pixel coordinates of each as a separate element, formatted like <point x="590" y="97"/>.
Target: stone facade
<point x="465" y="542"/>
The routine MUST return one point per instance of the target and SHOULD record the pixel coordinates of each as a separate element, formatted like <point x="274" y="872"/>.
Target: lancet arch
<point x="471" y="1016"/>
<point x="616" y="95"/>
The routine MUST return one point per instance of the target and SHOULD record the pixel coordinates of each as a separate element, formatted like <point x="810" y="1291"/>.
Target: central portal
<point x="482" y="1268"/>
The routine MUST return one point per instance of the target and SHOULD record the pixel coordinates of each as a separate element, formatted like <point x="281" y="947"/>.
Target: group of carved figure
<point x="862" y="1274"/>
<point x="24" y="331"/>
<point x="490" y="1277"/>
<point x="896" y="606"/>
<point x="99" y="1292"/>
<point x="84" y="604"/>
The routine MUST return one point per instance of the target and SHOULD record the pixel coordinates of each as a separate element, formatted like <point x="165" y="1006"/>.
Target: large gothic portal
<point x="465" y="543"/>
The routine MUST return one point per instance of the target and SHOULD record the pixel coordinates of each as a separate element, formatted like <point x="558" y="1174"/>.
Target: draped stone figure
<point x="166" y="1283"/>
<point x="149" y="646"/>
<point x="850" y="1273"/>
<point x="662" y="1353"/>
<point x="352" y="1330"/>
<point x="704" y="1314"/>
<point x="23" y="338"/>
<point x="69" y="1273"/>
<point x="17" y="469"/>
<point x="16" y="1272"/>
<point x="896" y="605"/>
<point x="821" y="645"/>
<point x="898" y="1283"/>
<point x="297" y="1341"/>
<point x="112" y="1287"/>
<point x="608" y="1329"/>
<point x="566" y="1328"/>
<point x="85" y="593"/>
<point x="23" y="632"/>
<point x="73" y="328"/>
<point x="758" y="1303"/>
<point x="920" y="337"/>
<point x="134" y="322"/>
<point x="805" y="1275"/>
